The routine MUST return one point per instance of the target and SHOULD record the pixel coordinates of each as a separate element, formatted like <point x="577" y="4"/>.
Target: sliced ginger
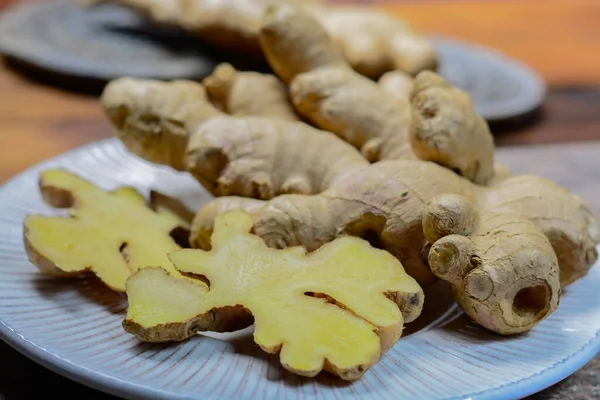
<point x="111" y="234"/>
<point x="336" y="309"/>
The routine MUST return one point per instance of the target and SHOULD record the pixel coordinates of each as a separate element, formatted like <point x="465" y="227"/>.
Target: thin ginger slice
<point x="112" y="234"/>
<point x="336" y="309"/>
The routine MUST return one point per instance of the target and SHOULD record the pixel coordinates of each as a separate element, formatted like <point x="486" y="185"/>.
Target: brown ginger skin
<point x="503" y="270"/>
<point x="154" y="119"/>
<point x="329" y="93"/>
<point x="251" y="156"/>
<point x="372" y="41"/>
<point x="249" y="93"/>
<point x="563" y="217"/>
<point x="434" y="123"/>
<point x="396" y="206"/>
<point x="397" y="83"/>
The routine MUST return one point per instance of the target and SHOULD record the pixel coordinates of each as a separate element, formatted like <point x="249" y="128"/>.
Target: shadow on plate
<point x="61" y="291"/>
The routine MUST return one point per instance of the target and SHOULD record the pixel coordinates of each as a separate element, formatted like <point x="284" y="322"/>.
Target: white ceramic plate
<point x="74" y="327"/>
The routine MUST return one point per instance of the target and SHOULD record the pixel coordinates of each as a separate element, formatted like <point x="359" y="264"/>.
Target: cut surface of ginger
<point x="337" y="308"/>
<point x="111" y="233"/>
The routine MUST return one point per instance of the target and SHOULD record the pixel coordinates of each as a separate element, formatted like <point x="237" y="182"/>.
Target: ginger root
<point x="337" y="309"/>
<point x="111" y="234"/>
<point x="248" y="93"/>
<point x="435" y="107"/>
<point x="502" y="268"/>
<point x="329" y="93"/>
<point x="251" y="156"/>
<point x="154" y="119"/>
<point x="386" y="203"/>
<point x="320" y="188"/>
<point x="372" y="41"/>
<point x="397" y="83"/>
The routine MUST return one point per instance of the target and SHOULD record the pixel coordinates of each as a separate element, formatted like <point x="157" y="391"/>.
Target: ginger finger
<point x="564" y="218"/>
<point x="324" y="88"/>
<point x="203" y="222"/>
<point x="259" y="158"/>
<point x="374" y="41"/>
<point x="397" y="83"/>
<point x="446" y="129"/>
<point x="155" y="119"/>
<point x="247" y="93"/>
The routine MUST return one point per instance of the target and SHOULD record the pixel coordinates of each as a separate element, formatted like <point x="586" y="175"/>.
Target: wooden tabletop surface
<point x="558" y="38"/>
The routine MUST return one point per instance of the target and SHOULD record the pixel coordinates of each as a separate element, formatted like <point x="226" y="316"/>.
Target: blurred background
<point x="554" y="45"/>
<point x="558" y="39"/>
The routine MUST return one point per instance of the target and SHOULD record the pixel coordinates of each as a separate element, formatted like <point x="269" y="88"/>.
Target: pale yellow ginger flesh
<point x="336" y="309"/>
<point x="203" y="222"/>
<point x="111" y="234"/>
<point x="372" y="41"/>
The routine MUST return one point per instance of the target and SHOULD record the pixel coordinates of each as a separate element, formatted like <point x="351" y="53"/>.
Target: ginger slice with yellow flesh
<point x="336" y="309"/>
<point x="112" y="234"/>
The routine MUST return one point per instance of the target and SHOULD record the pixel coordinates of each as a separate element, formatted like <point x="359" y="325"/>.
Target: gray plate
<point x="106" y="42"/>
<point x="501" y="87"/>
<point x="102" y="42"/>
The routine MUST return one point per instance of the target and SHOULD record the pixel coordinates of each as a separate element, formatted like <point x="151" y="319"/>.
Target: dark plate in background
<point x="71" y="45"/>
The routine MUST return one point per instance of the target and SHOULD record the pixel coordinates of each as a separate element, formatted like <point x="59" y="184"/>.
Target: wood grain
<point x="38" y="122"/>
<point x="558" y="38"/>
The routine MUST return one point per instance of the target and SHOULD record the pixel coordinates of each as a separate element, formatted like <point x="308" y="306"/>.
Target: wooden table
<point x="558" y="38"/>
